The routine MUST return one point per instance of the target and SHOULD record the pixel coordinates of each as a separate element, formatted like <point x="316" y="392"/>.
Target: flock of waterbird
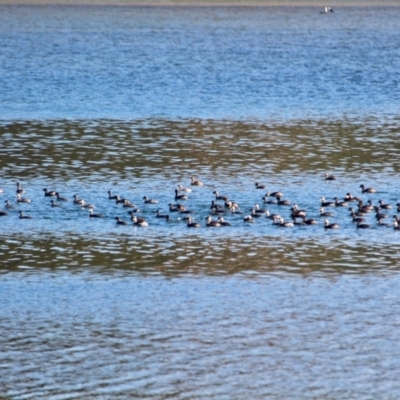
<point x="217" y="211"/>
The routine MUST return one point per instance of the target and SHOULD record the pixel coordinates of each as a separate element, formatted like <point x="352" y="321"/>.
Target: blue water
<point x="132" y="62"/>
<point x="137" y="100"/>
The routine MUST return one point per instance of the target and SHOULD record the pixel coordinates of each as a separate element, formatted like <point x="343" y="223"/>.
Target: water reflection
<point x="151" y="157"/>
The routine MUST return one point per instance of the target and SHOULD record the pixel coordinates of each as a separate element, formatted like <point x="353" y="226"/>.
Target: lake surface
<point x="136" y="101"/>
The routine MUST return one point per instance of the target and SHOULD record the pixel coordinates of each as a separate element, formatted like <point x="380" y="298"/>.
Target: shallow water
<point x="137" y="100"/>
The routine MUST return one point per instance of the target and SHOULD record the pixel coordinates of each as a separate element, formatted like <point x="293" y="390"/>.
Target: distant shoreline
<point x="249" y="3"/>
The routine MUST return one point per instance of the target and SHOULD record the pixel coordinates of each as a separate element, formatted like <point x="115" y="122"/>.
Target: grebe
<point x="327" y="225"/>
<point x="367" y="190"/>
<point x="195" y="182"/>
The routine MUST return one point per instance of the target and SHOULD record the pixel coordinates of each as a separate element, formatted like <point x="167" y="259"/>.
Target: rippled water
<point x="137" y="100"/>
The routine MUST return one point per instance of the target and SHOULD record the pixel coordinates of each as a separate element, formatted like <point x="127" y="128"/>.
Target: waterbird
<point x="223" y="222"/>
<point x="120" y="221"/>
<point x="329" y="177"/>
<point x="139" y="222"/>
<point x="248" y="218"/>
<point x="195" y="182"/>
<point x="54" y="204"/>
<point x="8" y="205"/>
<point x="49" y="193"/>
<point x="325" y="203"/>
<point x="220" y="197"/>
<point x="180" y="196"/>
<point x="92" y="214"/>
<point x="268" y="201"/>
<point x="192" y="224"/>
<point x="60" y="198"/>
<point x="282" y="223"/>
<point x="23" y="216"/>
<point x="361" y="225"/>
<point x="274" y="194"/>
<point x="310" y="221"/>
<point x="159" y="215"/>
<point x="281" y="202"/>
<point x="340" y="203"/>
<point x="324" y="213"/>
<point x="149" y="201"/>
<point x="396" y="226"/>
<point x="3" y="213"/>
<point x="367" y="190"/>
<point x="112" y="196"/>
<point x="384" y="205"/>
<point x="260" y="186"/>
<point x="327" y="225"/>
<point x="212" y="223"/>
<point x="22" y="199"/>
<point x="184" y="189"/>
<point x="19" y="189"/>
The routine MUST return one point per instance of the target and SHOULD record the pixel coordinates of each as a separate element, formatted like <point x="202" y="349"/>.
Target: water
<point x="137" y="100"/>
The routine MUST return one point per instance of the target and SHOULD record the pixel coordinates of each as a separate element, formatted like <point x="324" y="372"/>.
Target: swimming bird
<point x="23" y="216"/>
<point x="248" y="218"/>
<point x="329" y="177"/>
<point x="180" y="196"/>
<point x="192" y="224"/>
<point x="94" y="215"/>
<point x="3" y="213"/>
<point x="83" y="204"/>
<point x="281" y="202"/>
<point x="77" y="200"/>
<point x="19" y="189"/>
<point x="378" y="214"/>
<point x="22" y="199"/>
<point x="59" y="198"/>
<point x="326" y="10"/>
<point x="396" y="226"/>
<point x="195" y="182"/>
<point x="324" y="213"/>
<point x="212" y="223"/>
<point x="327" y="225"/>
<point x="8" y="205"/>
<point x="173" y="207"/>
<point x="183" y="210"/>
<point x="274" y="194"/>
<point x="398" y="207"/>
<point x="259" y="210"/>
<point x="272" y="216"/>
<point x="111" y="196"/>
<point x="216" y="208"/>
<point x="350" y="197"/>
<point x="340" y="203"/>
<point x="149" y="201"/>
<point x="220" y="197"/>
<point x="49" y="193"/>
<point x="355" y="217"/>
<point x="223" y="222"/>
<point x="159" y="215"/>
<point x="367" y="190"/>
<point x="381" y="223"/>
<point x="260" y="186"/>
<point x="384" y="206"/>
<point x="310" y="221"/>
<point x="284" y="224"/>
<point x="54" y="204"/>
<point x="184" y="189"/>
<point x="365" y="207"/>
<point x="325" y="203"/>
<point x="268" y="201"/>
<point x="128" y="204"/>
<point x="120" y="221"/>
<point x="139" y="221"/>
<point x="361" y="225"/>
